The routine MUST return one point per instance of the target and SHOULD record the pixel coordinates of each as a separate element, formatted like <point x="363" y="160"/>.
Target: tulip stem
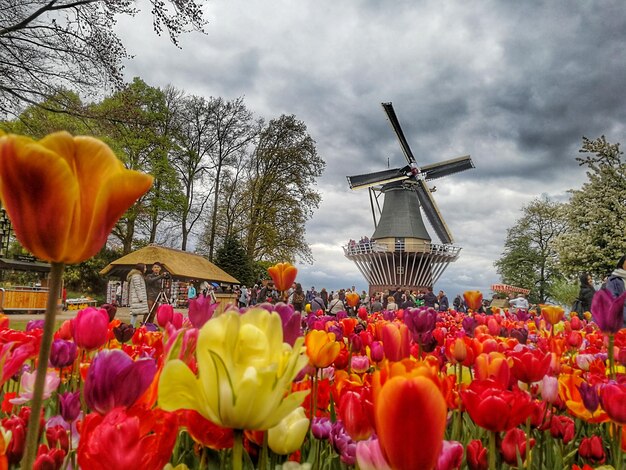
<point x="528" y="443"/>
<point x="237" y="449"/>
<point x="492" y="450"/>
<point x="32" y="435"/>
<point x="611" y="356"/>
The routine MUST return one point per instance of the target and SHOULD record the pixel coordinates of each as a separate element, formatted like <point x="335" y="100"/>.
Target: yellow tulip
<point x="321" y="348"/>
<point x="288" y="435"/>
<point x="64" y="194"/>
<point x="552" y="313"/>
<point x="244" y="375"/>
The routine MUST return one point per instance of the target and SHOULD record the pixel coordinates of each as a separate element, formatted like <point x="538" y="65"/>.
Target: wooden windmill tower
<point x="400" y="251"/>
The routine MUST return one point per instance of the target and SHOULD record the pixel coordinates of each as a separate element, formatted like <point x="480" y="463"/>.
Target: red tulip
<point x="283" y="275"/>
<point x="562" y="427"/>
<point x="205" y="432"/>
<point x="149" y="437"/>
<point x="514" y="442"/>
<point x="410" y="407"/>
<point x="49" y="459"/>
<point x="530" y="365"/>
<point x="613" y="398"/>
<point x="355" y="416"/>
<point x="90" y="328"/>
<point x="476" y="455"/>
<point x="494" y="408"/>
<point x="591" y="448"/>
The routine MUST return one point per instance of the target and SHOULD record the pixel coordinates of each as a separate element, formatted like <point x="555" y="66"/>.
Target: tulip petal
<point x="179" y="389"/>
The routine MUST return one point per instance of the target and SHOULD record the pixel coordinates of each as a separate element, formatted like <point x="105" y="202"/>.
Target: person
<point x="336" y="305"/>
<point x="430" y="299"/>
<point x="243" y="297"/>
<point x="317" y="304"/>
<point x="519" y="302"/>
<point x="324" y="297"/>
<point x="616" y="282"/>
<point x="137" y="294"/>
<point x="153" y="285"/>
<point x="391" y="303"/>
<point x="377" y="305"/>
<point x="118" y="294"/>
<point x="298" y="298"/>
<point x="586" y="292"/>
<point x="204" y="288"/>
<point x="191" y="291"/>
<point x="459" y="303"/>
<point x="443" y="301"/>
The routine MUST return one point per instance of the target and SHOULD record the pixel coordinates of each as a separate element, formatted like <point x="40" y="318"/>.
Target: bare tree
<point x="48" y="46"/>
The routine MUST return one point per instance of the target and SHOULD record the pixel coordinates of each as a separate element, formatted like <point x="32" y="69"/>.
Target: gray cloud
<point x="514" y="84"/>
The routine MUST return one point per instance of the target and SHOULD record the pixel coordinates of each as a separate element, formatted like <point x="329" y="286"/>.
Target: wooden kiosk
<point x="14" y="298"/>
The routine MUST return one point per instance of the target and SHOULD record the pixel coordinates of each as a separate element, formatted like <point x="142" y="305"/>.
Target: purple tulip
<point x="292" y="322"/>
<point x="342" y="314"/>
<point x="111" y="311"/>
<point x="520" y="334"/>
<point x="321" y="427"/>
<point x="34" y="325"/>
<point x="590" y="397"/>
<point x="420" y="320"/>
<point x="151" y="326"/>
<point x="522" y="315"/>
<point x="90" y="328"/>
<point x="70" y="405"/>
<point x="469" y="325"/>
<point x="335" y="328"/>
<point x="114" y="379"/>
<point x="62" y="353"/>
<point x="389" y="315"/>
<point x="201" y="310"/>
<point x="124" y="332"/>
<point x="608" y="313"/>
<point x="343" y="443"/>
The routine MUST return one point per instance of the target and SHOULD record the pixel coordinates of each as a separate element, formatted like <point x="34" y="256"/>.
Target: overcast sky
<point x="514" y="84"/>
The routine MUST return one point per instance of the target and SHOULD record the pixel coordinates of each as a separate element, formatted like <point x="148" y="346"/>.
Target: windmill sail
<point x="395" y="124"/>
<point x="378" y="177"/>
<point x="432" y="212"/>
<point x="448" y="167"/>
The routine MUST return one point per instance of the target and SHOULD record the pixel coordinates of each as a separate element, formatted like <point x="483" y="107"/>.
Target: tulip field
<point x="267" y="388"/>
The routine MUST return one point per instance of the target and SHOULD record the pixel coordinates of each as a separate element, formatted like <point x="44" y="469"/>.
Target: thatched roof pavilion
<point x="180" y="264"/>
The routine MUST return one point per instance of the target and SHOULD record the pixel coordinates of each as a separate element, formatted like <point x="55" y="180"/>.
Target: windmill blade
<point x="432" y="212"/>
<point x="447" y="167"/>
<point x="378" y="177"/>
<point x="393" y="119"/>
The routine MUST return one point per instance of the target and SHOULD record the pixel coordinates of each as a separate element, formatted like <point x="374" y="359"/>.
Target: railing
<point x="365" y="247"/>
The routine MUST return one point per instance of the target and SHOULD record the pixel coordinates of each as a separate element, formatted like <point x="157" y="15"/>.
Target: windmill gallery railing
<point x="400" y="264"/>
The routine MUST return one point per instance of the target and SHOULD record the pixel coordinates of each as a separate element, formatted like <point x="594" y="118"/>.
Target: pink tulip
<point x="177" y="320"/>
<point x="369" y="455"/>
<point x="164" y="315"/>
<point x="27" y="384"/>
<point x="451" y="456"/>
<point x="90" y="328"/>
<point x="201" y="310"/>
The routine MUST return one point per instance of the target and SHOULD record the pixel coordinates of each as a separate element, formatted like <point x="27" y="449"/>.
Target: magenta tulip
<point x="62" y="353"/>
<point x="165" y="314"/>
<point x="115" y="380"/>
<point x="70" y="405"/>
<point x="90" y="328"/>
<point x="608" y="312"/>
<point x="201" y="310"/>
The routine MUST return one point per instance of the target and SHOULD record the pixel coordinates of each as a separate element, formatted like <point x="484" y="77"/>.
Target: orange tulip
<point x="283" y="275"/>
<point x="321" y="348"/>
<point x="64" y="194"/>
<point x="353" y="299"/>
<point x="410" y="407"/>
<point x="473" y="299"/>
<point x="552" y="313"/>
<point x="493" y="365"/>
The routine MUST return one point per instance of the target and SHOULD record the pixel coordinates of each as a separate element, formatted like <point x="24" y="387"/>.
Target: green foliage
<point x="596" y="213"/>
<point x="529" y="259"/>
<point x="232" y="258"/>
<point x="564" y="292"/>
<point x="84" y="277"/>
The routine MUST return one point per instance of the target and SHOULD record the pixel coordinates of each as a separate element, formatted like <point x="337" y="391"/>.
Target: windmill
<point x="400" y="251"/>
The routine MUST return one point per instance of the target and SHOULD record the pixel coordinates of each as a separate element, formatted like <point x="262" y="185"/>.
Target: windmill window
<point x="399" y="244"/>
